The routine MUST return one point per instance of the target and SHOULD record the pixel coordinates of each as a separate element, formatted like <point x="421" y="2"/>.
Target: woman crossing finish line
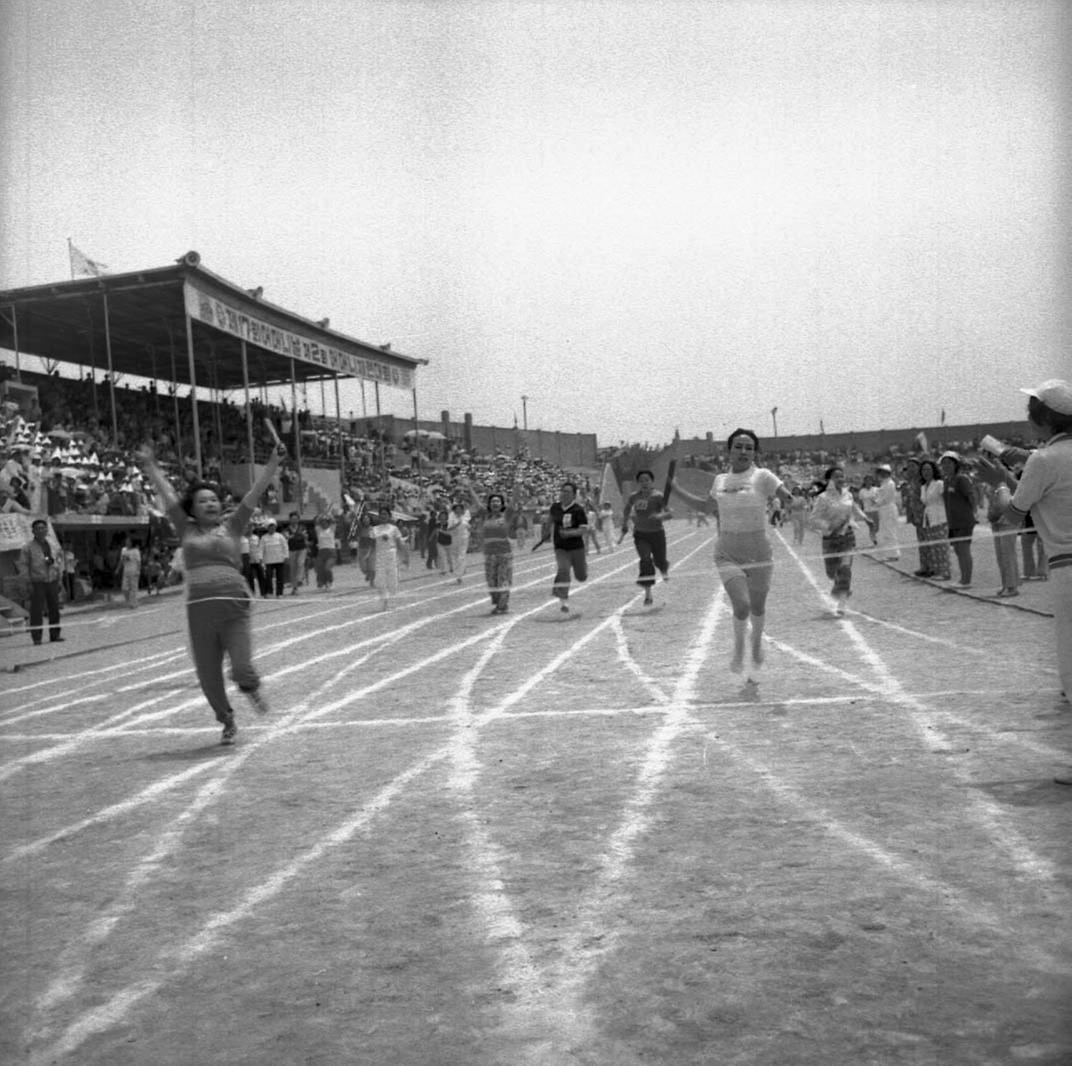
<point x="743" y="554"/>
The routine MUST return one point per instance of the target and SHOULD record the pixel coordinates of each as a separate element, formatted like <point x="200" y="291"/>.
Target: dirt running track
<point x="487" y="841"/>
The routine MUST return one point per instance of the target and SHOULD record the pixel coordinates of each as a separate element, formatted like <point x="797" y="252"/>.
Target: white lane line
<point x="177" y="960"/>
<point x="992" y="818"/>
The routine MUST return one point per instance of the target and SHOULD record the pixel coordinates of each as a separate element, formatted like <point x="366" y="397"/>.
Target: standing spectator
<point x="1034" y="555"/>
<point x="255" y="578"/>
<point x="912" y="505"/>
<point x="325" y="551"/>
<point x="274" y="555"/>
<point x="297" y="549"/>
<point x="458" y="549"/>
<point x="959" y="496"/>
<point x="70" y="571"/>
<point x="869" y="505"/>
<point x="42" y="566"/>
<point x="130" y="570"/>
<point x="935" y="529"/>
<point x="1000" y="498"/>
<point x="886" y="515"/>
<point x="798" y="514"/>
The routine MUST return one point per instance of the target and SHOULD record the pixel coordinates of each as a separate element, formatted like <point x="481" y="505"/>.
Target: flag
<point x="82" y="266"/>
<point x="921" y="441"/>
<point x="822" y="428"/>
<point x="943" y="416"/>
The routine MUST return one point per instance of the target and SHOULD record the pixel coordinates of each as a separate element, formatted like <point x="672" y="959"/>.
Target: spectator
<point x="959" y="498"/>
<point x="42" y="566"/>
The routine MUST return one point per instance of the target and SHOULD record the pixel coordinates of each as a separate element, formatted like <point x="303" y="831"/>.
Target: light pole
<point x="774" y="419"/>
<point x="524" y="413"/>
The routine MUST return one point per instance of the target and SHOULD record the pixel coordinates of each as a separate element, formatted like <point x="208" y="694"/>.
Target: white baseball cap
<point x="1055" y="393"/>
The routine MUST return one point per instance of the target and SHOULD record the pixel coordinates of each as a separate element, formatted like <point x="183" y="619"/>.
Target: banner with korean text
<point x="231" y="318"/>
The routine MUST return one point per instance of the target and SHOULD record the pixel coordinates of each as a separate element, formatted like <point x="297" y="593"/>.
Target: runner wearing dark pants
<point x="648" y="510"/>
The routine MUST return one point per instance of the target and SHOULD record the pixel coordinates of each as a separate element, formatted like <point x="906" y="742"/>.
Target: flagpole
<point x="70" y="260"/>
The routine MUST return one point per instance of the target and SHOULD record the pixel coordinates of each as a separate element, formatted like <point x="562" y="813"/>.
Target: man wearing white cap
<point x="1045" y="489"/>
<point x="886" y="505"/>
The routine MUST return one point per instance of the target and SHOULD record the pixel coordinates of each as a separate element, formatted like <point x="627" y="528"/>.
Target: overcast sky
<point x="644" y="216"/>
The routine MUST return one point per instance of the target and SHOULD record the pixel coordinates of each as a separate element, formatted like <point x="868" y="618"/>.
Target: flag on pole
<point x="921" y="441"/>
<point x="943" y="416"/>
<point x="82" y="266"/>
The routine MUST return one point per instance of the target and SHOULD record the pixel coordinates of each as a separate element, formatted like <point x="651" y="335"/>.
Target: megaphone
<point x="190" y="259"/>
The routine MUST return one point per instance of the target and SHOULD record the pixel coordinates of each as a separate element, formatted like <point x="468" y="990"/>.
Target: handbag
<point x="443" y="538"/>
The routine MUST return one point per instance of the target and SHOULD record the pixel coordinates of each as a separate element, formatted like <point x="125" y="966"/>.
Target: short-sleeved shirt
<point x="742" y="499"/>
<point x="643" y="509"/>
<point x="1045" y="489"/>
<point x="567" y="518"/>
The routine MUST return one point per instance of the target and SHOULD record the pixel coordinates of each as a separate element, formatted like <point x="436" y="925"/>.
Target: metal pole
<point x="342" y="446"/>
<point x="416" y="431"/>
<point x="175" y="396"/>
<point x="15" y="331"/>
<point x="249" y="416"/>
<point x="524" y="412"/>
<point x="297" y="437"/>
<point x="193" y="396"/>
<point x="111" y="372"/>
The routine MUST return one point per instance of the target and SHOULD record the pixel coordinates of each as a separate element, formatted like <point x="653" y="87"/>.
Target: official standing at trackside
<point x="42" y="566"/>
<point x="1045" y="489"/>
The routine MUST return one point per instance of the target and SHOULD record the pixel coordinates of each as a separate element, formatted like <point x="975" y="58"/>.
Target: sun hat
<point x="950" y="455"/>
<point x="1055" y="393"/>
<point x="882" y="468"/>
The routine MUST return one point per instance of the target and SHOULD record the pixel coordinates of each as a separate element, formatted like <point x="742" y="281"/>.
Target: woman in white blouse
<point x="832" y="515"/>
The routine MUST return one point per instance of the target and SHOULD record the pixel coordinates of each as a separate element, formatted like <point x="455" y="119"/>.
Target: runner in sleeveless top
<point x="742" y="551"/>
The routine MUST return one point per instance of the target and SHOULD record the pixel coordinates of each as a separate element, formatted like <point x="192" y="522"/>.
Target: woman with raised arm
<point x="497" y="521"/>
<point x="743" y="552"/>
<point x="217" y="596"/>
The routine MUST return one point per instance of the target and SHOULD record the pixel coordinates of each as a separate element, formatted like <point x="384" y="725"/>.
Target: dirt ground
<point x="492" y="840"/>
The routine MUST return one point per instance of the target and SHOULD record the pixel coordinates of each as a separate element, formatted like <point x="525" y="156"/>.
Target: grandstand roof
<point x="147" y="312"/>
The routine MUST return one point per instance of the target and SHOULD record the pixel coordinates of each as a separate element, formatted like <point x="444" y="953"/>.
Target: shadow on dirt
<point x="211" y="751"/>
<point x="1042" y="791"/>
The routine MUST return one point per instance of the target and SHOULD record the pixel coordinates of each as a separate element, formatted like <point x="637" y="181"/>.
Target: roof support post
<point x="175" y="395"/>
<point x="15" y="332"/>
<point x="111" y="372"/>
<point x="249" y="416"/>
<point x="379" y="430"/>
<point x="342" y="446"/>
<point x="297" y="436"/>
<point x="416" y="432"/>
<point x="193" y="396"/>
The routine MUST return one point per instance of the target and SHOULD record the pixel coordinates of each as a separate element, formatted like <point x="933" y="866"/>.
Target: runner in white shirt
<point x="742" y="551"/>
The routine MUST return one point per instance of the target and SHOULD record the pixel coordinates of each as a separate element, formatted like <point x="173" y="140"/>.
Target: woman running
<point x="832" y="516"/>
<point x="743" y="553"/>
<point x="217" y="596"/>
<point x="498" y="551"/>
<point x="648" y="510"/>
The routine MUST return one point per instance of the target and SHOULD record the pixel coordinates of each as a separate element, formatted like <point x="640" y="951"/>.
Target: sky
<point x="644" y="217"/>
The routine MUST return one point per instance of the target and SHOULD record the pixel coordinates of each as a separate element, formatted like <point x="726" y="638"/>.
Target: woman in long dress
<point x="389" y="544"/>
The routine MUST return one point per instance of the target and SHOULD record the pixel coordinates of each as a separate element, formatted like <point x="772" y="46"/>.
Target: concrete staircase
<point x="12" y="617"/>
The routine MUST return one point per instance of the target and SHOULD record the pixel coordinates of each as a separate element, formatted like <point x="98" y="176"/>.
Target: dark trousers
<point x="574" y="560"/>
<point x="960" y="541"/>
<point x="275" y="577"/>
<point x="651" y="547"/>
<point x="44" y="595"/>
